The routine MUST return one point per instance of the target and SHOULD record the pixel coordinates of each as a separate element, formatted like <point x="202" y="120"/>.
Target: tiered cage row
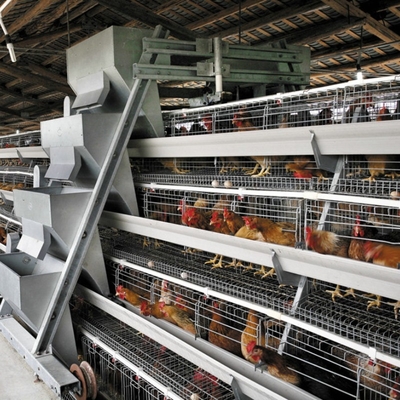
<point x="366" y="176"/>
<point x="364" y="102"/>
<point x="24" y="139"/>
<point x="167" y="188"/>
<point x="122" y="375"/>
<point x="348" y="317"/>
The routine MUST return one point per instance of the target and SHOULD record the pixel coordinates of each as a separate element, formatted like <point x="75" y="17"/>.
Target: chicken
<point x="246" y="232"/>
<point x="221" y="334"/>
<point x="319" y="376"/>
<point x="387" y="255"/>
<point x="219" y="225"/>
<point x="250" y="335"/>
<point x="356" y="250"/>
<point x="275" y="232"/>
<point x="271" y="232"/>
<point x="196" y="216"/>
<point x="281" y="367"/>
<point x="3" y="235"/>
<point x="395" y="391"/>
<point x="174" y="165"/>
<point x="384" y="114"/>
<point x="229" y="224"/>
<point x="185" y="304"/>
<point x="370" y="373"/>
<point x="325" y="242"/>
<point x="265" y="162"/>
<point x="222" y="203"/>
<point x="153" y="310"/>
<point x="360" y="233"/>
<point x="242" y="121"/>
<point x="382" y="165"/>
<point x="233" y="221"/>
<point x="166" y="295"/>
<point x="299" y="163"/>
<point x="202" y="385"/>
<point x="179" y="316"/>
<point x="129" y="295"/>
<point x="304" y="167"/>
<point x="208" y="122"/>
<point x="254" y="332"/>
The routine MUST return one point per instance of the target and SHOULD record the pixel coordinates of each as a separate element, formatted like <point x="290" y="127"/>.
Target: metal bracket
<point x="237" y="392"/>
<point x="284" y="278"/>
<point x="301" y="294"/>
<point x="12" y="242"/>
<point x="328" y="163"/>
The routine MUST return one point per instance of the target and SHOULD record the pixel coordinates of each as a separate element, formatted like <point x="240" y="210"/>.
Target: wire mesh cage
<point x="244" y="282"/>
<point x="25" y="139"/>
<point x="116" y="376"/>
<point x="355" y="374"/>
<point x="258" y="172"/>
<point x="371" y="100"/>
<point x="175" y="206"/>
<point x="361" y="222"/>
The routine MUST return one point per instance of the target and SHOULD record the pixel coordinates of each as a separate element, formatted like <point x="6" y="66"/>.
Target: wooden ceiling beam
<point x="373" y="26"/>
<point x="370" y="63"/>
<point x="20" y="73"/>
<point x="28" y="17"/>
<point x="29" y="99"/>
<point x="46" y="38"/>
<point x="77" y="12"/>
<point x="48" y="19"/>
<point x="316" y="32"/>
<point x="289" y="12"/>
<point x="146" y="16"/>
<point x="223" y="14"/>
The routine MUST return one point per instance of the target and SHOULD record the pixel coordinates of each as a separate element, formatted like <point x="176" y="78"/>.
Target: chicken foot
<point x="264" y="171"/>
<point x="213" y="261"/>
<point x="234" y="263"/>
<point x="335" y="293"/>
<point x="219" y="264"/>
<point x="396" y="307"/>
<point x="249" y="171"/>
<point x="374" y="303"/>
<point x="264" y="273"/>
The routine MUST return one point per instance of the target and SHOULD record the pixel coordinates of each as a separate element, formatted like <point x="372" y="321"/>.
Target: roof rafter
<point x="148" y="17"/>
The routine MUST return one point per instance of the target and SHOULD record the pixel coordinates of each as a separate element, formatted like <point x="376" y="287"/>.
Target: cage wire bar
<point x="348" y="317"/>
<point x="172" y="371"/>
<point x="369" y="101"/>
<point x="373" y="379"/>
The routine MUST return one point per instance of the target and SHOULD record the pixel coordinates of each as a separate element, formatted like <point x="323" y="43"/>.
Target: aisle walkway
<point x="17" y="381"/>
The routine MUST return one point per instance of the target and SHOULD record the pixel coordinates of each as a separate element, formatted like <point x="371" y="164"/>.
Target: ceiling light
<point x="359" y="73"/>
<point x="9" y="44"/>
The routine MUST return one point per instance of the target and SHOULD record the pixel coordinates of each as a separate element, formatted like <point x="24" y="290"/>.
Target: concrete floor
<point x="17" y="381"/>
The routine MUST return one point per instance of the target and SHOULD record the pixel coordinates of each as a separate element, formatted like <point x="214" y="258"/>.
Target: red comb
<point x="143" y="306"/>
<point x="250" y="346"/>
